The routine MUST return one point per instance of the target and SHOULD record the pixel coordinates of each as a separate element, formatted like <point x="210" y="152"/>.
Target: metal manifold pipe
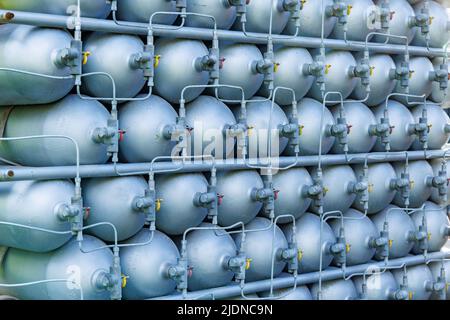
<point x="90" y="24"/>
<point x="13" y="173"/>
<point x="302" y="279"/>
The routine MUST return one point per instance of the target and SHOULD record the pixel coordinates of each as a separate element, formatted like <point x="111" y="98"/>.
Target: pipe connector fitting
<point x="103" y="280"/>
<point x="291" y="256"/>
<point x="420" y="236"/>
<point x="205" y="199"/>
<point x="386" y="15"/>
<point x="71" y="57"/>
<point x="422" y="20"/>
<point x="362" y="71"/>
<point x="206" y="63"/>
<point x="401" y="73"/>
<point x="340" y="249"/>
<point x="340" y="10"/>
<point x="238" y="265"/>
<point x="399" y="295"/>
<point x="142" y="204"/>
<point x="340" y="131"/>
<point x="383" y="130"/>
<point x="402" y="185"/>
<point x="66" y="212"/>
<point x="104" y="135"/>
<point x="440" y="76"/>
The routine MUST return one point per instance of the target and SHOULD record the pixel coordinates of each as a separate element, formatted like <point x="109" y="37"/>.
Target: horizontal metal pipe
<point x="234" y="290"/>
<point x="90" y="24"/>
<point x="12" y="173"/>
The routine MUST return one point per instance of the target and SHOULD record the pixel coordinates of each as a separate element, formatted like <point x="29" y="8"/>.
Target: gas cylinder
<point x="360" y="233"/>
<point x="379" y="180"/>
<point x="120" y="201"/>
<point x="85" y="121"/>
<point x="239" y="68"/>
<point x="181" y="66"/>
<point x="401" y="22"/>
<point x="147" y="126"/>
<point x="420" y="173"/>
<point x="290" y="74"/>
<point x="259" y="111"/>
<point x="438" y="125"/>
<point x="17" y="43"/>
<point x="400" y="121"/>
<point x="379" y="286"/>
<point x="236" y="187"/>
<point x="438" y="169"/>
<point x="307" y="231"/>
<point x="88" y="270"/>
<point x="299" y="293"/>
<point x="210" y="118"/>
<point x="435" y="268"/>
<point x="263" y="247"/>
<point x="338" y="75"/>
<point x="417" y="279"/>
<point x="40" y="204"/>
<point x="208" y="253"/>
<point x="400" y="228"/>
<point x="359" y="21"/>
<point x="223" y="12"/>
<point x="117" y="55"/>
<point x="439" y="95"/>
<point x="259" y="13"/>
<point x="439" y="32"/>
<point x="436" y="226"/>
<point x="180" y="211"/>
<point x="290" y="186"/>
<point x="382" y="82"/>
<point x="141" y="11"/>
<point x="147" y="265"/>
<point x="419" y="80"/>
<point x="335" y="290"/>
<point x="337" y="182"/>
<point x="309" y="112"/>
<point x="89" y="8"/>
<point x="359" y="138"/>
<point x="311" y="20"/>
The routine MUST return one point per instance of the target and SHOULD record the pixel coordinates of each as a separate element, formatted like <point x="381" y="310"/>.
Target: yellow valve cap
<point x="390" y="243"/>
<point x="327" y="68"/>
<point x="410" y="295"/>
<point x="430" y="20"/>
<point x="349" y="9"/>
<point x="158" y="204"/>
<point x="275" y="67"/>
<point x="370" y="188"/>
<point x="412" y="184"/>
<point x="302" y="3"/>
<point x="300" y="255"/>
<point x="300" y="130"/>
<point x="325" y="190"/>
<point x="247" y="263"/>
<point x="371" y="70"/>
<point x="411" y="73"/>
<point x="156" y="62"/>
<point x="86" y="55"/>
<point x="124" y="281"/>
<point x="348" y="247"/>
<point x="429" y="236"/>
<point x="250" y="130"/>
